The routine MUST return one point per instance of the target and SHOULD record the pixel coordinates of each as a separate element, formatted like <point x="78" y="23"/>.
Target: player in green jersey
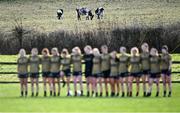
<point x="45" y="62"/>
<point x="55" y="70"/>
<point x="145" y="65"/>
<point x="22" y="70"/>
<point x="123" y="70"/>
<point x="166" y="62"/>
<point x="77" y="69"/>
<point x="134" y="70"/>
<point x="154" y="70"/>
<point x="96" y="72"/>
<point x="65" y="68"/>
<point x="105" y="66"/>
<point x="114" y="78"/>
<point x="34" y="62"/>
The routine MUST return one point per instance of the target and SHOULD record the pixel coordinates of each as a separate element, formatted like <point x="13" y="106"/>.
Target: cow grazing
<point x="60" y="13"/>
<point x="99" y="12"/>
<point x="84" y="11"/>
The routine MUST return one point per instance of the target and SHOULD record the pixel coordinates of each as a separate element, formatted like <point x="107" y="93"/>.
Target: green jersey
<point x="105" y="62"/>
<point x="155" y="64"/>
<point x="165" y="61"/>
<point x="55" y="63"/>
<point x="123" y="63"/>
<point x="135" y="64"/>
<point x="145" y="63"/>
<point x="66" y="63"/>
<point x="76" y="61"/>
<point x="96" y="65"/>
<point x="45" y="61"/>
<point x="114" y="67"/>
<point x="22" y="65"/>
<point x="34" y="62"/>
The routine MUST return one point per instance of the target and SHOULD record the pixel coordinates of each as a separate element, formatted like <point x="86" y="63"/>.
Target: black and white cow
<point x="60" y="13"/>
<point x="99" y="12"/>
<point x="84" y="11"/>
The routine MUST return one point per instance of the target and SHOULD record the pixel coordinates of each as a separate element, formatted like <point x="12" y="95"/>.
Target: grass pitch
<point x="11" y="102"/>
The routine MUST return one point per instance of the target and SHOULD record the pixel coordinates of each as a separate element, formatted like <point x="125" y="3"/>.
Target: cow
<point x="60" y="14"/>
<point x="84" y="11"/>
<point x="99" y="12"/>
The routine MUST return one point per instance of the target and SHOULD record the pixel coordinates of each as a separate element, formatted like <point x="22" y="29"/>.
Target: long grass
<point x="127" y="23"/>
<point x="41" y="14"/>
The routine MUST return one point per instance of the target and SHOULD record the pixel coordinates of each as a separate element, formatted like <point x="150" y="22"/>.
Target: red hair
<point x="45" y="50"/>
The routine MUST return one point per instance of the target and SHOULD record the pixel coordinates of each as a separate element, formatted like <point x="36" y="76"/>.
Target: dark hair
<point x="165" y="47"/>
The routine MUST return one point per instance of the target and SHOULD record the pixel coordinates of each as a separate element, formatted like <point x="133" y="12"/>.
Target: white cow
<point x="84" y="11"/>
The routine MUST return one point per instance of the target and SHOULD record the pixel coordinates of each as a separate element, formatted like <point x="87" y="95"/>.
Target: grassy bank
<point x="41" y="14"/>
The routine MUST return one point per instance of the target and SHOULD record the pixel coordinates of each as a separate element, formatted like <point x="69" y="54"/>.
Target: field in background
<point x="33" y="23"/>
<point x="41" y="14"/>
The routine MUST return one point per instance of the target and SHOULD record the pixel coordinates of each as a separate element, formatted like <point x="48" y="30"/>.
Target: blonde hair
<point x="135" y="49"/>
<point x="22" y="53"/>
<point x="76" y="50"/>
<point x="55" y="49"/>
<point x="145" y="47"/>
<point x="96" y="52"/>
<point x="122" y="49"/>
<point x="88" y="47"/>
<point x="34" y="51"/>
<point x="154" y="52"/>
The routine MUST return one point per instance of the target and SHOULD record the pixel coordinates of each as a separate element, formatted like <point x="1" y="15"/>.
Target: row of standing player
<point x="113" y="69"/>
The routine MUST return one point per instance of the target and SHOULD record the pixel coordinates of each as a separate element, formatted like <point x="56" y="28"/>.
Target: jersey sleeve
<point x="40" y="59"/>
<point x="18" y="61"/>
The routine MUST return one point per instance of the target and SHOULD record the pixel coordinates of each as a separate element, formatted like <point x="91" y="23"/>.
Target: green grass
<point x="11" y="102"/>
<point x="41" y="14"/>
